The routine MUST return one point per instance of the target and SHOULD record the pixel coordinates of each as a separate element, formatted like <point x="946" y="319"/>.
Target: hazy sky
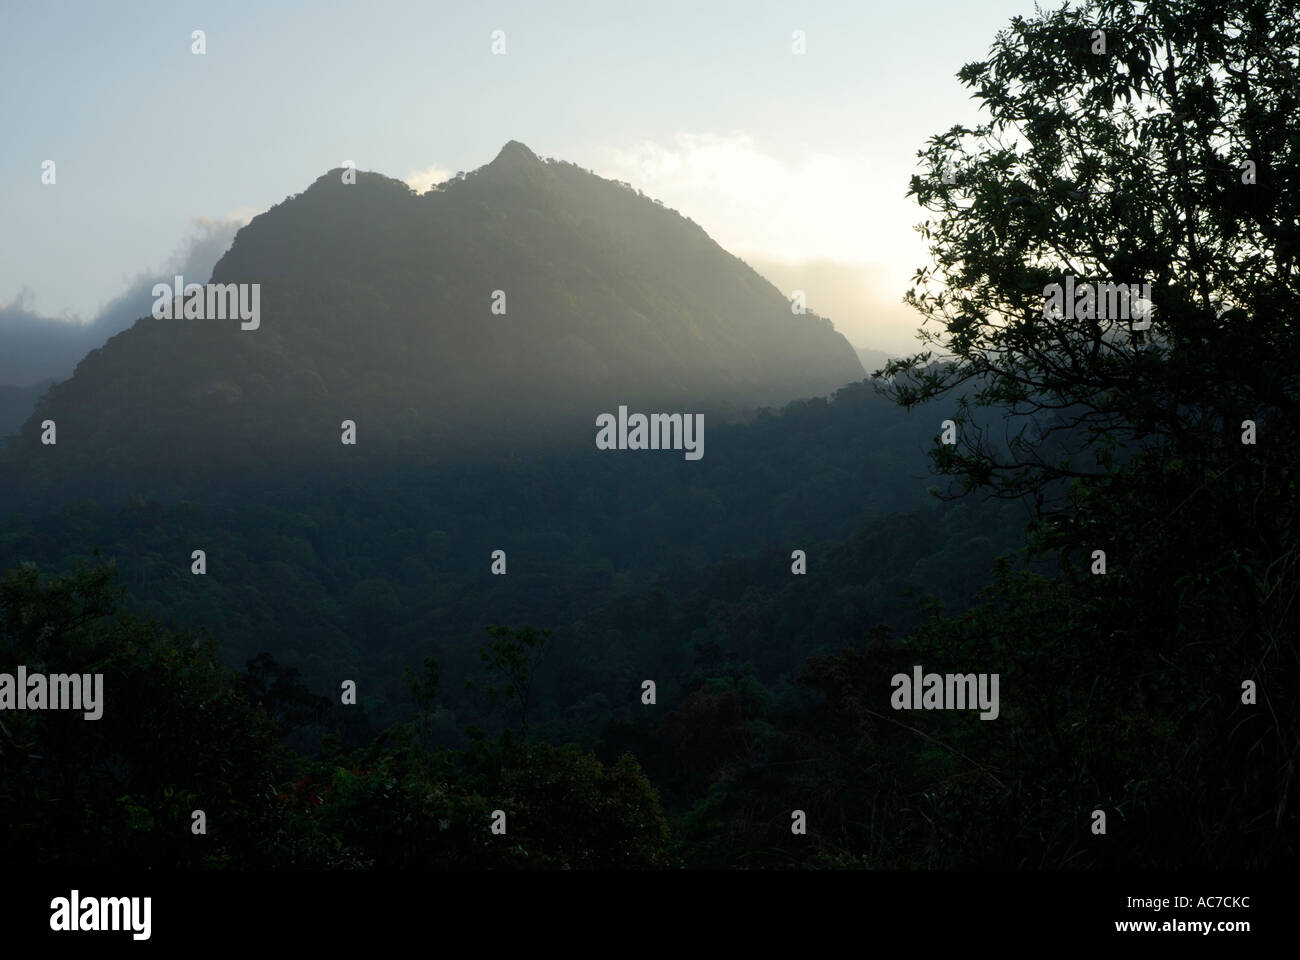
<point x="797" y="163"/>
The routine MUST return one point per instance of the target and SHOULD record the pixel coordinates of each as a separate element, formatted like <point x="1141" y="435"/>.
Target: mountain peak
<point x="515" y="153"/>
<point x="381" y="311"/>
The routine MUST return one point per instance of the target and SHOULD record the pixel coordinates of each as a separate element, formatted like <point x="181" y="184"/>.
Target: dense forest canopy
<point x="1156" y="144"/>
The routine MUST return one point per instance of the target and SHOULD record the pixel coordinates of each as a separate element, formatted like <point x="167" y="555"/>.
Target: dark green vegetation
<point x="362" y="573"/>
<point x="1120" y="692"/>
<point x="385" y="579"/>
<point x="182" y="736"/>
<point x="1171" y="159"/>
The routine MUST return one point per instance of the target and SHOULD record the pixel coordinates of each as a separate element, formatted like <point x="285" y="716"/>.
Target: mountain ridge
<point x="508" y="306"/>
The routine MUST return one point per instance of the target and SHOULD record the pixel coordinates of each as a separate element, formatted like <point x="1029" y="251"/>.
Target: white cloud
<point x="422" y="180"/>
<point x="803" y="204"/>
<point x="862" y="299"/>
<point x="835" y="225"/>
<point x="240" y="215"/>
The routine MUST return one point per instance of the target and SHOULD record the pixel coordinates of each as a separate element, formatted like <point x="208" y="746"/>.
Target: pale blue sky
<point x="782" y="158"/>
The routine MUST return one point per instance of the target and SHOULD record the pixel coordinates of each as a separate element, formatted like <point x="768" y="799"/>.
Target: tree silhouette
<point x="1157" y="145"/>
<point x="513" y="655"/>
<point x="1122" y="146"/>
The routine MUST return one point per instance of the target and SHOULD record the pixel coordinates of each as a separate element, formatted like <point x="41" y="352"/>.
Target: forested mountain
<point x="503" y="311"/>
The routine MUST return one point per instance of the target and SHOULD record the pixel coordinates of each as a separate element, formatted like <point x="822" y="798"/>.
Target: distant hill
<point x="872" y="360"/>
<point x="376" y="306"/>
